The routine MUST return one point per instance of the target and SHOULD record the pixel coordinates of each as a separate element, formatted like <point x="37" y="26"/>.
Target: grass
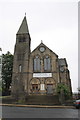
<point x="5" y="97"/>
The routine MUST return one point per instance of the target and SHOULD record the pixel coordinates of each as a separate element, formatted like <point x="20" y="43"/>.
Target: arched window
<point x="37" y="63"/>
<point x="47" y="63"/>
<point x="20" y="68"/>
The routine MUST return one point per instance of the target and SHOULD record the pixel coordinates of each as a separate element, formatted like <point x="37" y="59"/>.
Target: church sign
<point x="42" y="87"/>
<point x="42" y="74"/>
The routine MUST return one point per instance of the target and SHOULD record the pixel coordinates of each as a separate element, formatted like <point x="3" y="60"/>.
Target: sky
<point x="55" y="22"/>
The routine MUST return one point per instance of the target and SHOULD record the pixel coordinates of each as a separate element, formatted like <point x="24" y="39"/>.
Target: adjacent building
<point x="0" y="64"/>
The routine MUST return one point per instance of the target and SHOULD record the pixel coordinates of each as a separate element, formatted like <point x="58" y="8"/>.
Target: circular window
<point x="42" y="49"/>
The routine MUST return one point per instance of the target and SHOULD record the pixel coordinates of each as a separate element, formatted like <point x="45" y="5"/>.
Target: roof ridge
<point x="42" y="44"/>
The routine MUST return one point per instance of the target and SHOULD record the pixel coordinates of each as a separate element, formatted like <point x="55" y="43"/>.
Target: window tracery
<point x="47" y="63"/>
<point x="37" y="65"/>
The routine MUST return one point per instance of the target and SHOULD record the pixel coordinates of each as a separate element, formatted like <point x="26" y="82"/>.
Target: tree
<point x="63" y="89"/>
<point x="7" y="64"/>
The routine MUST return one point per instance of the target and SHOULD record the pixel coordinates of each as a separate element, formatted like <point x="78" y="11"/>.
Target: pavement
<point x="32" y="112"/>
<point x="38" y="106"/>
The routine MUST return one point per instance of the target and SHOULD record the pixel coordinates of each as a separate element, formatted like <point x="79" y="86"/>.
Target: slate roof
<point x="24" y="27"/>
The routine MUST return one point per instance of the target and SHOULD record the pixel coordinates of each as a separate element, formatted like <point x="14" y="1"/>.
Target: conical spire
<point x="24" y="27"/>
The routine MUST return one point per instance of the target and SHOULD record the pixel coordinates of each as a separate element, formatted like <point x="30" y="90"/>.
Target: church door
<point x="49" y="89"/>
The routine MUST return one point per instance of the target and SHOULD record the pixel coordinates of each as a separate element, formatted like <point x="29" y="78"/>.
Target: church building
<point x="37" y="72"/>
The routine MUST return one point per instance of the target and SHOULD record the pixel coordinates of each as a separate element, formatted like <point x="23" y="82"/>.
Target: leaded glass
<point x="47" y="63"/>
<point x="37" y="63"/>
<point x="20" y="68"/>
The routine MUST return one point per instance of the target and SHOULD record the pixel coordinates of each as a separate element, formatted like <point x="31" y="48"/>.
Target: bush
<point x="64" y="88"/>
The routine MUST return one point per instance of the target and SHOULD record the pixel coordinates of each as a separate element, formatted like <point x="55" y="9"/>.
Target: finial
<point x="25" y="13"/>
<point x="41" y="41"/>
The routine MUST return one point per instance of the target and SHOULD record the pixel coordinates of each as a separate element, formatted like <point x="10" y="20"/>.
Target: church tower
<point x="21" y="60"/>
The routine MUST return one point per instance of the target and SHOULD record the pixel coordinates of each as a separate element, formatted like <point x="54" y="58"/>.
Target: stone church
<point x="37" y="72"/>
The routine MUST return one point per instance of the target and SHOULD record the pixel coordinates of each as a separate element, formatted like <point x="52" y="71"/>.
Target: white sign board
<point x="42" y="87"/>
<point x="42" y="74"/>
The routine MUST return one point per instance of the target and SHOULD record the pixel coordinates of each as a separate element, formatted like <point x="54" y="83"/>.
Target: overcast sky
<point x="56" y="23"/>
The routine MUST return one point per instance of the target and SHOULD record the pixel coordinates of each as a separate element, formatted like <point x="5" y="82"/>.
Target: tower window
<point x="20" y="68"/>
<point x="22" y="39"/>
<point x="47" y="63"/>
<point x="37" y="63"/>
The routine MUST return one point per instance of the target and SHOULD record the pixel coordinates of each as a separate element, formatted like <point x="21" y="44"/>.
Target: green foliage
<point x="78" y="89"/>
<point x="7" y="64"/>
<point x="64" y="88"/>
<point x="21" y="101"/>
<point x="0" y="87"/>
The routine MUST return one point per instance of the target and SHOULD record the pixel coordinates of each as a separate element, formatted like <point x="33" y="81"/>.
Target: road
<point x="25" y="112"/>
